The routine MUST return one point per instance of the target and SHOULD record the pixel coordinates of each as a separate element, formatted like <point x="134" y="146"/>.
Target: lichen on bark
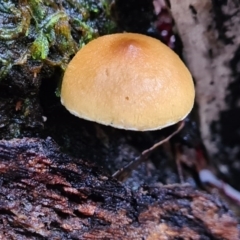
<point x="48" y="31"/>
<point x="37" y="39"/>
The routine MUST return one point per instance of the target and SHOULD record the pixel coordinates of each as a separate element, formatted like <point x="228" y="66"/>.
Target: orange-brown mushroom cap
<point x="129" y="81"/>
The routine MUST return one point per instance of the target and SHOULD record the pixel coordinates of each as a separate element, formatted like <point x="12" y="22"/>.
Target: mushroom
<point x="128" y="81"/>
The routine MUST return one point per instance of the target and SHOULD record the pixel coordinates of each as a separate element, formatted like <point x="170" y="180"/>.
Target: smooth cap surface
<point x="128" y="81"/>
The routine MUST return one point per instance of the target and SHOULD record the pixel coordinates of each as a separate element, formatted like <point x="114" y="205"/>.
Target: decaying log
<point x="45" y="194"/>
<point x="210" y="34"/>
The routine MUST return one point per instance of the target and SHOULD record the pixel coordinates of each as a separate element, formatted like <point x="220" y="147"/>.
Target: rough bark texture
<point x="45" y="194"/>
<point x="210" y="34"/>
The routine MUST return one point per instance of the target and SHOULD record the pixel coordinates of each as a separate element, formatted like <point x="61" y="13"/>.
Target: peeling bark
<point x="45" y="194"/>
<point x="210" y="34"/>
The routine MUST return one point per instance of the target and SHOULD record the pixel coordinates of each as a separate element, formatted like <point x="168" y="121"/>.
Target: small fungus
<point x="129" y="81"/>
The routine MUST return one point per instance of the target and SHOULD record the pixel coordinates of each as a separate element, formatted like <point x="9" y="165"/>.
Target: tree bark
<point x="45" y="194"/>
<point x="209" y="31"/>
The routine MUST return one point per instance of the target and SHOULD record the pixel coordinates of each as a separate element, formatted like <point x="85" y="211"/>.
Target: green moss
<point x="48" y="31"/>
<point x="40" y="47"/>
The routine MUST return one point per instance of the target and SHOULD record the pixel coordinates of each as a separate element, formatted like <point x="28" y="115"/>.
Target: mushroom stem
<point x="124" y="172"/>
